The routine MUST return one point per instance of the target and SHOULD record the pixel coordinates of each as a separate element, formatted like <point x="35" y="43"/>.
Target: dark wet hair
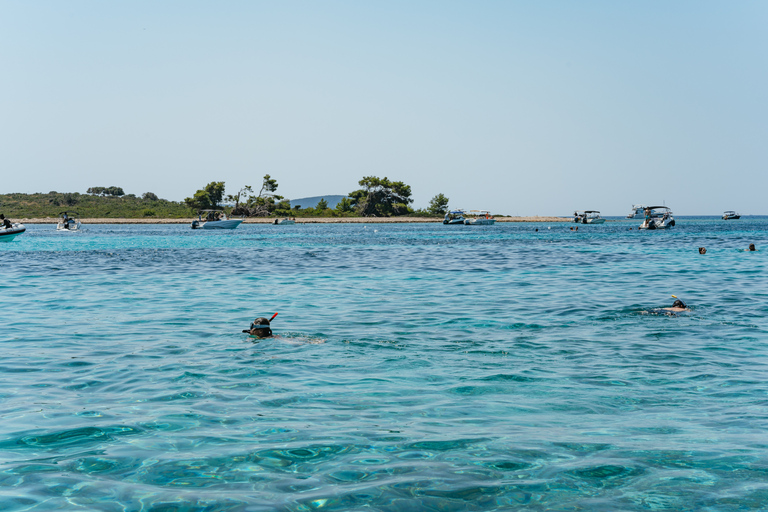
<point x="751" y="247"/>
<point x="261" y="327"/>
<point x="679" y="304"/>
<point x="702" y="250"/>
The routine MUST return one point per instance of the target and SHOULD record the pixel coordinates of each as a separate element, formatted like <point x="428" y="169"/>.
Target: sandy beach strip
<point x="307" y="220"/>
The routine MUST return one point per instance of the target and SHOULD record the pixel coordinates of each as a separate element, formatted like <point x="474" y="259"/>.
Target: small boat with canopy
<point x="480" y="218"/>
<point x="454" y="217"/>
<point x="68" y="221"/>
<point x="657" y="217"/>
<point x="731" y="215"/>
<point x="587" y="217"/>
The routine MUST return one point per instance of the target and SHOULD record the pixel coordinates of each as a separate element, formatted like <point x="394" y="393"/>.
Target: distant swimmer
<point x="702" y="250"/>
<point x="679" y="306"/>
<point x="260" y="327"/>
<point x="752" y="247"/>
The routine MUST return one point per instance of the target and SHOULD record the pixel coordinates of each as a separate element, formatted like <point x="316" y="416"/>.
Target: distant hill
<point x="311" y="202"/>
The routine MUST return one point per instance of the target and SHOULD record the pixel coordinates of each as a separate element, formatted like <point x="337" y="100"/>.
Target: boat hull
<point x="595" y="221"/>
<point x="74" y="227"/>
<point x="8" y="234"/>
<point x="217" y="224"/>
<point x="657" y="224"/>
<point x="480" y="222"/>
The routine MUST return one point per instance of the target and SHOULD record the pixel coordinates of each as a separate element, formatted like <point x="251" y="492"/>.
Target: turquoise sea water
<point x="418" y="367"/>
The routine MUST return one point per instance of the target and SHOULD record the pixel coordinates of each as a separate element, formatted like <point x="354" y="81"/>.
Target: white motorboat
<point x="731" y="215"/>
<point x="454" y="217"/>
<point x="479" y="218"/>
<point x="657" y="217"/>
<point x="9" y="233"/>
<point x="588" y="217"/>
<point x="68" y="221"/>
<point x="638" y="212"/>
<point x="215" y="219"/>
<point x="285" y="222"/>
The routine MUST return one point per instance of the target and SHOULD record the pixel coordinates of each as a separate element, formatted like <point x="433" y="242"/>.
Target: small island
<point x="378" y="200"/>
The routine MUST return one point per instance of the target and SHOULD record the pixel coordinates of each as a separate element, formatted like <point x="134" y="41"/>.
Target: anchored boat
<point x="215" y="219"/>
<point x="637" y="212"/>
<point x="479" y="218"/>
<point x="454" y="217"/>
<point x="588" y="217"/>
<point x="9" y="233"/>
<point x="68" y="221"/>
<point x="657" y="217"/>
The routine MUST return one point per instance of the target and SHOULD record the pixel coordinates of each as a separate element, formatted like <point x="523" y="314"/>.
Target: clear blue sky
<point x="521" y="107"/>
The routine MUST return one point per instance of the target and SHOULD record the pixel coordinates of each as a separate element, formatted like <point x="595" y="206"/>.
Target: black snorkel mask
<point x="261" y="324"/>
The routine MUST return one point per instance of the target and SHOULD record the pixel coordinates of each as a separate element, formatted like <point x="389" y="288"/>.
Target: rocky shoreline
<point x="307" y="220"/>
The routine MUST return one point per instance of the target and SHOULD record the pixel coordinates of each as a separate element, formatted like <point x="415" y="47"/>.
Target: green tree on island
<point x="208" y="197"/>
<point x="267" y="202"/>
<point x="438" y="205"/>
<point x="322" y="204"/>
<point x="106" y="191"/>
<point x="263" y="204"/>
<point x="381" y="197"/>
<point x="345" y="205"/>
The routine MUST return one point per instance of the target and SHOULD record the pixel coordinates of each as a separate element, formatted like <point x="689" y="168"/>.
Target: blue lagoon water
<point x="417" y="367"/>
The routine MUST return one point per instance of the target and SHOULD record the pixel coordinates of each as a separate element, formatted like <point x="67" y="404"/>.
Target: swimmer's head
<point x="702" y="250"/>
<point x="260" y="327"/>
<point x="751" y="247"/>
<point x="679" y="304"/>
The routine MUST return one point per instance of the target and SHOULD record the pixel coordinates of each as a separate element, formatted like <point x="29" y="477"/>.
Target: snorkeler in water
<point x="260" y="327"/>
<point x="679" y="306"/>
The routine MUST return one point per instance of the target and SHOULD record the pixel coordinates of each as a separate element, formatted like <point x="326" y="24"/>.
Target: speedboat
<point x="637" y="212"/>
<point x="8" y="234"/>
<point x="285" y="222"/>
<point x="479" y="218"/>
<point x="588" y="217"/>
<point x="215" y="219"/>
<point x="657" y="217"/>
<point x="731" y="215"/>
<point x="454" y="217"/>
<point x="68" y="221"/>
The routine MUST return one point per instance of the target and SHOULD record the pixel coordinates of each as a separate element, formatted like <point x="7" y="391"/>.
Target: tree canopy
<point x="106" y="191"/>
<point x="381" y="197"/>
<point x="265" y="203"/>
<point x="438" y="205"/>
<point x="208" y="197"/>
